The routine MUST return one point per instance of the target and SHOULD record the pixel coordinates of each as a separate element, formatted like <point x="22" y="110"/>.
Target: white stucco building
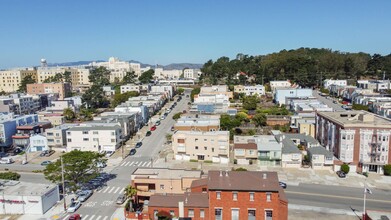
<point x="38" y="142"/>
<point x="119" y="68"/>
<point x="337" y="82"/>
<point x="250" y="90"/>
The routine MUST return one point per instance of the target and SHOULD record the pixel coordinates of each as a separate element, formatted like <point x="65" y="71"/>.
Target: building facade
<point x="63" y="89"/>
<point x="250" y="90"/>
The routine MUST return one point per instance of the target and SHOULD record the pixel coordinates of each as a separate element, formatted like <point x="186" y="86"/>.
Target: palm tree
<point x="130" y="191"/>
<point x="69" y="114"/>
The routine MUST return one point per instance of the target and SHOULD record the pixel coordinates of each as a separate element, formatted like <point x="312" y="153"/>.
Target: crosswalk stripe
<point x="123" y="164"/>
<point x="127" y="163"/>
<point x="84" y="217"/>
<point x="131" y="163"/>
<point x="92" y="217"/>
<point x="98" y="217"/>
<point x="111" y="189"/>
<point x="148" y="164"/>
<point x="145" y="163"/>
<point x="136" y="163"/>
<point x="66" y="217"/>
<point x="104" y="191"/>
<point x="105" y="218"/>
<point x="117" y="190"/>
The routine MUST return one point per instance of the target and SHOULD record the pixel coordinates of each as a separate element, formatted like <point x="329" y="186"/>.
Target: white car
<point x="74" y="206"/>
<point x="109" y="153"/>
<point x="162" y="117"/>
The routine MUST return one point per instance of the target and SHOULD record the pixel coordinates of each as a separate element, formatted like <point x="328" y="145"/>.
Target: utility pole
<point x="63" y="184"/>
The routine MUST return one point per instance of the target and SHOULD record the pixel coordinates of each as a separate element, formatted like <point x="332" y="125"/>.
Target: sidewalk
<point x="118" y="214"/>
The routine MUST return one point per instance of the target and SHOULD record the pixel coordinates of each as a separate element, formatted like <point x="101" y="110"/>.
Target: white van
<point x="6" y="160"/>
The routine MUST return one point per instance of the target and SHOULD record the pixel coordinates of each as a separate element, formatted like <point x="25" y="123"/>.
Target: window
<point x="196" y="147"/>
<point x="172" y="213"/>
<point x="218" y="195"/>
<point x="235" y="196"/>
<point x="86" y="139"/>
<point x="95" y="132"/>
<point x="268" y="197"/>
<point x="268" y="214"/>
<point x="57" y="135"/>
<point x="155" y="214"/>
<point x="202" y="213"/>
<point x="112" y="140"/>
<point x="95" y="139"/>
<point x="205" y="148"/>
<point x="251" y="196"/>
<point x="50" y="140"/>
<point x="251" y="214"/>
<point x="191" y="213"/>
<point x="205" y="139"/>
<point x="49" y="134"/>
<point x="235" y="214"/>
<point x="113" y="133"/>
<point x="68" y="133"/>
<point x="213" y="149"/>
<point x="203" y="189"/>
<point x="218" y="214"/>
<point x="181" y="141"/>
<point x="161" y="186"/>
<point x="85" y="132"/>
<point x="69" y="140"/>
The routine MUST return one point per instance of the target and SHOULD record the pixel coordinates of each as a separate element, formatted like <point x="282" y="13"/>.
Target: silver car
<point x="74" y="206"/>
<point x="121" y="199"/>
<point x="84" y="195"/>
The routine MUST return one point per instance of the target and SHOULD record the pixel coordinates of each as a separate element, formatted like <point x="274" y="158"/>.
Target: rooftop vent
<point x="264" y="176"/>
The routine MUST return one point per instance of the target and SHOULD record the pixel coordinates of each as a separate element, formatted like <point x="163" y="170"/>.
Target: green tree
<point x="23" y="84"/>
<point x="94" y="96"/>
<point x="120" y="98"/>
<point x="250" y="102"/>
<point x="2" y="92"/>
<point x="86" y="114"/>
<point x="147" y="76"/>
<point x="130" y="191"/>
<point x="242" y="116"/>
<point x="79" y="168"/>
<point x="228" y="122"/>
<point x="240" y="169"/>
<point x="10" y="176"/>
<point x="259" y="119"/>
<point x="387" y="170"/>
<point x="360" y="107"/>
<point x="345" y="168"/>
<point x="67" y="77"/>
<point x="180" y="90"/>
<point x="251" y="132"/>
<point x="176" y="116"/>
<point x="69" y="114"/>
<point x="54" y="79"/>
<point x="130" y="77"/>
<point x="194" y="92"/>
<point x="168" y="137"/>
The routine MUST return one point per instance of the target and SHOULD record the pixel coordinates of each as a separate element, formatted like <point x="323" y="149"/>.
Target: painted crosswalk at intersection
<point x="136" y="164"/>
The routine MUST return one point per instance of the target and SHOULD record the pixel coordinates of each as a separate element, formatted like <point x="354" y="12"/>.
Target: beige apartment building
<point x="63" y="89"/>
<point x="150" y="181"/>
<point x="79" y="76"/>
<point x="10" y="79"/>
<point x="198" y="123"/>
<point x="217" y="90"/>
<point x="202" y="146"/>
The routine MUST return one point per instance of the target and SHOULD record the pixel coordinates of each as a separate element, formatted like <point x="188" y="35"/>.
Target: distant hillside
<point x="171" y="66"/>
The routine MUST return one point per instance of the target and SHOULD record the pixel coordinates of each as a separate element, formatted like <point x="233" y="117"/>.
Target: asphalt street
<point x="328" y="101"/>
<point x="101" y="205"/>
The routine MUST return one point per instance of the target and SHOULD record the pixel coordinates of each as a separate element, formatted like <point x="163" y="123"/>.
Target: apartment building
<point x="57" y="137"/>
<point x="168" y="89"/>
<point x="198" y="123"/>
<point x="141" y="89"/>
<point x="10" y="79"/>
<point x="118" y="69"/>
<point x="250" y="90"/>
<point x="150" y="181"/>
<point x="281" y="94"/>
<point x="24" y="104"/>
<point x="52" y="117"/>
<point x="338" y="82"/>
<point x="62" y="89"/>
<point x="94" y="138"/>
<point x="280" y="84"/>
<point x="202" y="146"/>
<point x="8" y="125"/>
<point x="216" y="90"/>
<point x="226" y="195"/>
<point x="191" y="73"/>
<point x="356" y="137"/>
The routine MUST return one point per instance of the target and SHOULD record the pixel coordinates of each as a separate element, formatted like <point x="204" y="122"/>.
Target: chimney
<point x="226" y="173"/>
<point x="181" y="209"/>
<point x="221" y="173"/>
<point x="264" y="176"/>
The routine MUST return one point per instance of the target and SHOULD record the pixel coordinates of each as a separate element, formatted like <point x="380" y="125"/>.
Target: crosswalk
<point x="136" y="164"/>
<point x="89" y="217"/>
<point x="112" y="190"/>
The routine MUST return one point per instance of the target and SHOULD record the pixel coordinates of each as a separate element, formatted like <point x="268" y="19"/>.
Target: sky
<point x="194" y="31"/>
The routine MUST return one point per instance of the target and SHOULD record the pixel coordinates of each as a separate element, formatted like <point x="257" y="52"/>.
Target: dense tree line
<point x="305" y="66"/>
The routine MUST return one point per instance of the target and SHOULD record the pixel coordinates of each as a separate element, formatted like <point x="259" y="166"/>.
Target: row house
<point x="130" y="122"/>
<point x="359" y="138"/>
<point x="94" y="138"/>
<point x="374" y="85"/>
<point x="210" y="146"/>
<point x="198" y="123"/>
<point x="57" y="136"/>
<point x="24" y="132"/>
<point x="141" y="89"/>
<point x="134" y="108"/>
<point x="258" y="90"/>
<point x="9" y="124"/>
<point x="216" y="90"/>
<point x="168" y="89"/>
<point x="280" y="84"/>
<point x="320" y="158"/>
<point x="225" y="195"/>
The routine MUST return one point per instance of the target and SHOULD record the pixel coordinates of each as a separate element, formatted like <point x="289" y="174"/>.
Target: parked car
<point x="45" y="163"/>
<point x="84" y="195"/>
<point x="132" y="152"/>
<point x="282" y="184"/>
<point x="157" y="123"/>
<point x="341" y="174"/>
<point x="153" y="128"/>
<point x="148" y="133"/>
<point x="162" y="117"/>
<point x="74" y="206"/>
<point x="121" y="199"/>
<point x="101" y="165"/>
<point x="187" y="96"/>
<point x="109" y="153"/>
<point x="2" y="154"/>
<point x="184" y="111"/>
<point x="16" y="151"/>
<point x="6" y="160"/>
<point x="74" y="217"/>
<point x="138" y="144"/>
<point x="172" y="128"/>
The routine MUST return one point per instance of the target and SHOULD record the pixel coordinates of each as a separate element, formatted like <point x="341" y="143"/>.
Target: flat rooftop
<point x="24" y="188"/>
<point x="204" y="133"/>
<point x="165" y="173"/>
<point x="356" y="119"/>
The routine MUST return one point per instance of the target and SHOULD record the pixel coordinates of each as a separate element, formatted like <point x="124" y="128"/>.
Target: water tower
<point x="44" y="63"/>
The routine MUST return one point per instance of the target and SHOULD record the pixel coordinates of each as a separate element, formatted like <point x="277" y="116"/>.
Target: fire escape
<point x="375" y="151"/>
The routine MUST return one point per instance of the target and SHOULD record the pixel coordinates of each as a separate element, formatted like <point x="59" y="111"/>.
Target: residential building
<point x="359" y="138"/>
<point x="281" y="94"/>
<point x="7" y="105"/>
<point x="226" y="195"/>
<point x="216" y="90"/>
<point x="118" y="69"/>
<point x="198" y="123"/>
<point x="38" y="142"/>
<point x="8" y="125"/>
<point x="300" y="105"/>
<point x="131" y="122"/>
<point x="22" y="136"/>
<point x="280" y="84"/>
<point x="168" y="89"/>
<point x="320" y="158"/>
<point x="141" y="89"/>
<point x="191" y="73"/>
<point x="24" y="104"/>
<point x="63" y="89"/>
<point x="210" y="103"/>
<point x="55" y="118"/>
<point x="150" y="181"/>
<point x="76" y="100"/>
<point x="25" y="198"/>
<point x="134" y="107"/>
<point x="250" y="90"/>
<point x="202" y="146"/>
<point x="178" y="82"/>
<point x="10" y="79"/>
<point x="328" y="82"/>
<point x="281" y="120"/>
<point x="245" y="153"/>
<point x="94" y="138"/>
<point x="268" y="149"/>
<point x="57" y="137"/>
<point x="108" y="90"/>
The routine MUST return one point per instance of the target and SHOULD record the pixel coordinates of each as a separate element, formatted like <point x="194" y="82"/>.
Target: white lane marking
<point x="107" y="188"/>
<point x="123" y="164"/>
<point x="148" y="164"/>
<point x="105" y="217"/>
<point x="98" y="217"/>
<point x="84" y="217"/>
<point x="117" y="190"/>
<point x="111" y="189"/>
<point x="131" y="163"/>
<point x="92" y="217"/>
<point x="66" y="217"/>
<point x="136" y="163"/>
